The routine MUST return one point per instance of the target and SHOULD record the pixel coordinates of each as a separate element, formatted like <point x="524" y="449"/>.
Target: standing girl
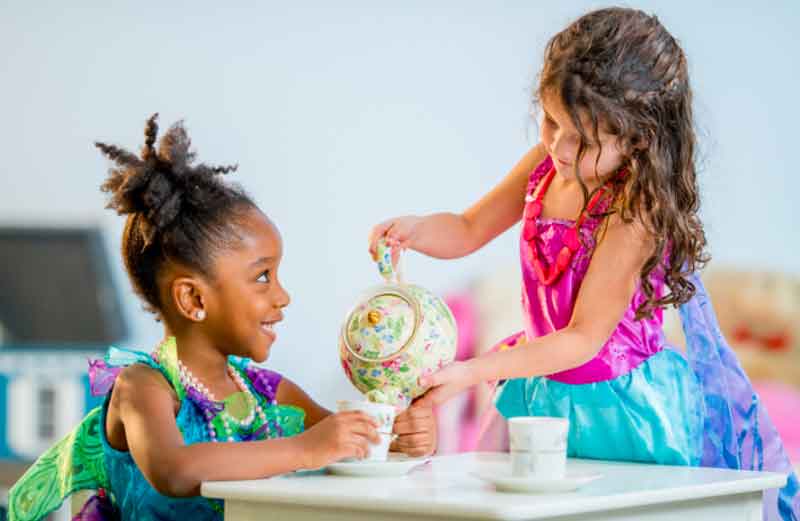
<point x="611" y="235"/>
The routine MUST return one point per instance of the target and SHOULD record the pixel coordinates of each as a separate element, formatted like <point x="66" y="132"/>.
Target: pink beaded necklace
<point x="533" y="209"/>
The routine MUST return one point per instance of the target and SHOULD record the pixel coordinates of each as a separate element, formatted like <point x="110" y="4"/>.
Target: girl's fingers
<point x="362" y="416"/>
<point x="394" y="235"/>
<point x="364" y="427"/>
<point x="374" y="236"/>
<point x="366" y="431"/>
<point x="432" y="380"/>
<point x="353" y="450"/>
<point x="412" y="426"/>
<point x="436" y="396"/>
<point x="363" y="447"/>
<point x="373" y="436"/>
<point x="410" y="441"/>
<point x="359" y="417"/>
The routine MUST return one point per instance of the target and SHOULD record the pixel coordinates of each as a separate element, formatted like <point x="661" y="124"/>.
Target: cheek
<point x="611" y="161"/>
<point x="608" y="163"/>
<point x="239" y="301"/>
<point x="262" y="302"/>
<point x="587" y="165"/>
<point x="546" y="135"/>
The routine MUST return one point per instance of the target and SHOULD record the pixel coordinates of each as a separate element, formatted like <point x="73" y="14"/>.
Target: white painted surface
<point x="445" y="488"/>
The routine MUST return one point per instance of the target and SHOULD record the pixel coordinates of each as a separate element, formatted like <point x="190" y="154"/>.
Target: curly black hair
<point x="624" y="70"/>
<point x="176" y="211"/>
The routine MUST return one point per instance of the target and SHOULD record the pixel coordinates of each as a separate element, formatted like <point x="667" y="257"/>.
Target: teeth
<point x="267" y="327"/>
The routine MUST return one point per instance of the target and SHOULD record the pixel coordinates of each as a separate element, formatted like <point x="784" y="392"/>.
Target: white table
<point x="444" y="489"/>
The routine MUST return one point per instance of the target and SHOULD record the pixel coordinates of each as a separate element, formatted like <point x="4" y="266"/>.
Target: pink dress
<point x="639" y="399"/>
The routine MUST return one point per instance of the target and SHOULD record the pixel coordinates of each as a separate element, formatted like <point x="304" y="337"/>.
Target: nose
<point x="562" y="146"/>
<point x="282" y="299"/>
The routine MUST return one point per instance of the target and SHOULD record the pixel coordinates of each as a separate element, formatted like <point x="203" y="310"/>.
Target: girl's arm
<point x="448" y="235"/>
<point x="415" y="427"/>
<point x="146" y="406"/>
<point x="604" y="296"/>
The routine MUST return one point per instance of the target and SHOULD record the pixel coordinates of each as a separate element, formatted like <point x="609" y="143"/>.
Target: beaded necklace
<point x="190" y="381"/>
<point x="220" y="422"/>
<point x="533" y="209"/>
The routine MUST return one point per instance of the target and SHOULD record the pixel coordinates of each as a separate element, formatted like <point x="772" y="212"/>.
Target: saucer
<point x="503" y="481"/>
<point x="397" y="464"/>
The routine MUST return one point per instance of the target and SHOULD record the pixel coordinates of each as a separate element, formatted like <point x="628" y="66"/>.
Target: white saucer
<point x="503" y="481"/>
<point x="397" y="464"/>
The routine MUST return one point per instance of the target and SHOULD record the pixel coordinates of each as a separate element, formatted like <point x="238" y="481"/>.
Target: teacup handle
<point x="391" y="274"/>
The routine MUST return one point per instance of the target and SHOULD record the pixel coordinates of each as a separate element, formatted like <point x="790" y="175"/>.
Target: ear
<point x="188" y="296"/>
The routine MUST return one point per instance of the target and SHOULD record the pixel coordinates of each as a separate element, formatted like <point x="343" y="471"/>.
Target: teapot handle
<point x="390" y="273"/>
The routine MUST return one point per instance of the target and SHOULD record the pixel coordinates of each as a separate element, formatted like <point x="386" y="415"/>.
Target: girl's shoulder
<point x="144" y="381"/>
<point x="160" y="366"/>
<point x="631" y="237"/>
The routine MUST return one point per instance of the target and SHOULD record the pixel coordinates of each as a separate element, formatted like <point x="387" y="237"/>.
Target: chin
<point x="261" y="354"/>
<point x="565" y="172"/>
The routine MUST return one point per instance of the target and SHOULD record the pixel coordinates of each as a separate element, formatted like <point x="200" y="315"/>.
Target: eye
<point x="549" y="121"/>
<point x="264" y="277"/>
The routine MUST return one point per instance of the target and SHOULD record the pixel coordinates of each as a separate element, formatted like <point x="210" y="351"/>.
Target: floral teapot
<point x="396" y="334"/>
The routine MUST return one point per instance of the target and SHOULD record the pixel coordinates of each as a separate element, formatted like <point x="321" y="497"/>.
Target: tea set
<point x="397" y="333"/>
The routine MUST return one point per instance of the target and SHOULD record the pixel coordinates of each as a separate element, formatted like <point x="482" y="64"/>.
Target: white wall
<point x="339" y="117"/>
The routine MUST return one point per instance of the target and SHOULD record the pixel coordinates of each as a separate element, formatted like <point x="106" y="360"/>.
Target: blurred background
<point x="340" y="117"/>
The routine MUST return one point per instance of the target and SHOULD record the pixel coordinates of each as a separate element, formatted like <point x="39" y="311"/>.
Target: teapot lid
<point x="383" y="325"/>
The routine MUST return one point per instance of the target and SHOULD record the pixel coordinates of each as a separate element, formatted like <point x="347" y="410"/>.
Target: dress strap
<point x="536" y="175"/>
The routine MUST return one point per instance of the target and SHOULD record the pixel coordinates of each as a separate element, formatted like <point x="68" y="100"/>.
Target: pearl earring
<point x="200" y="314"/>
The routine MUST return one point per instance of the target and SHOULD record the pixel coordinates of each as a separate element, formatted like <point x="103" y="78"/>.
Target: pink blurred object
<point x="474" y="429"/>
<point x="460" y="412"/>
<point x="783" y="403"/>
<point x="466" y="315"/>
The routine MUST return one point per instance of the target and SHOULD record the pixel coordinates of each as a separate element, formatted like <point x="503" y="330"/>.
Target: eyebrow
<point x="262" y="260"/>
<point x="551" y="118"/>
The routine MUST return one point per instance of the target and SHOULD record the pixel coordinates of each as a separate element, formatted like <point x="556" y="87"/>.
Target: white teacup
<point x="383" y="414"/>
<point x="538" y="446"/>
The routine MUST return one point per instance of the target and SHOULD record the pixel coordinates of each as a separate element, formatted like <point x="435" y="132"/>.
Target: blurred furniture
<point x="58" y="308"/>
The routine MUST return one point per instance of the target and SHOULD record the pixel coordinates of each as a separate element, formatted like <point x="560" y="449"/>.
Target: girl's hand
<point x="400" y="233"/>
<point x="446" y="383"/>
<point x="338" y="436"/>
<point x="416" y="431"/>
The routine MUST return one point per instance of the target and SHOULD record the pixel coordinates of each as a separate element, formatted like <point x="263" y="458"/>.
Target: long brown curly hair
<point x="624" y="72"/>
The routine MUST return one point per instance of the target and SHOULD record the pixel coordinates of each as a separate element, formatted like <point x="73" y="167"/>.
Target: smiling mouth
<point x="268" y="327"/>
